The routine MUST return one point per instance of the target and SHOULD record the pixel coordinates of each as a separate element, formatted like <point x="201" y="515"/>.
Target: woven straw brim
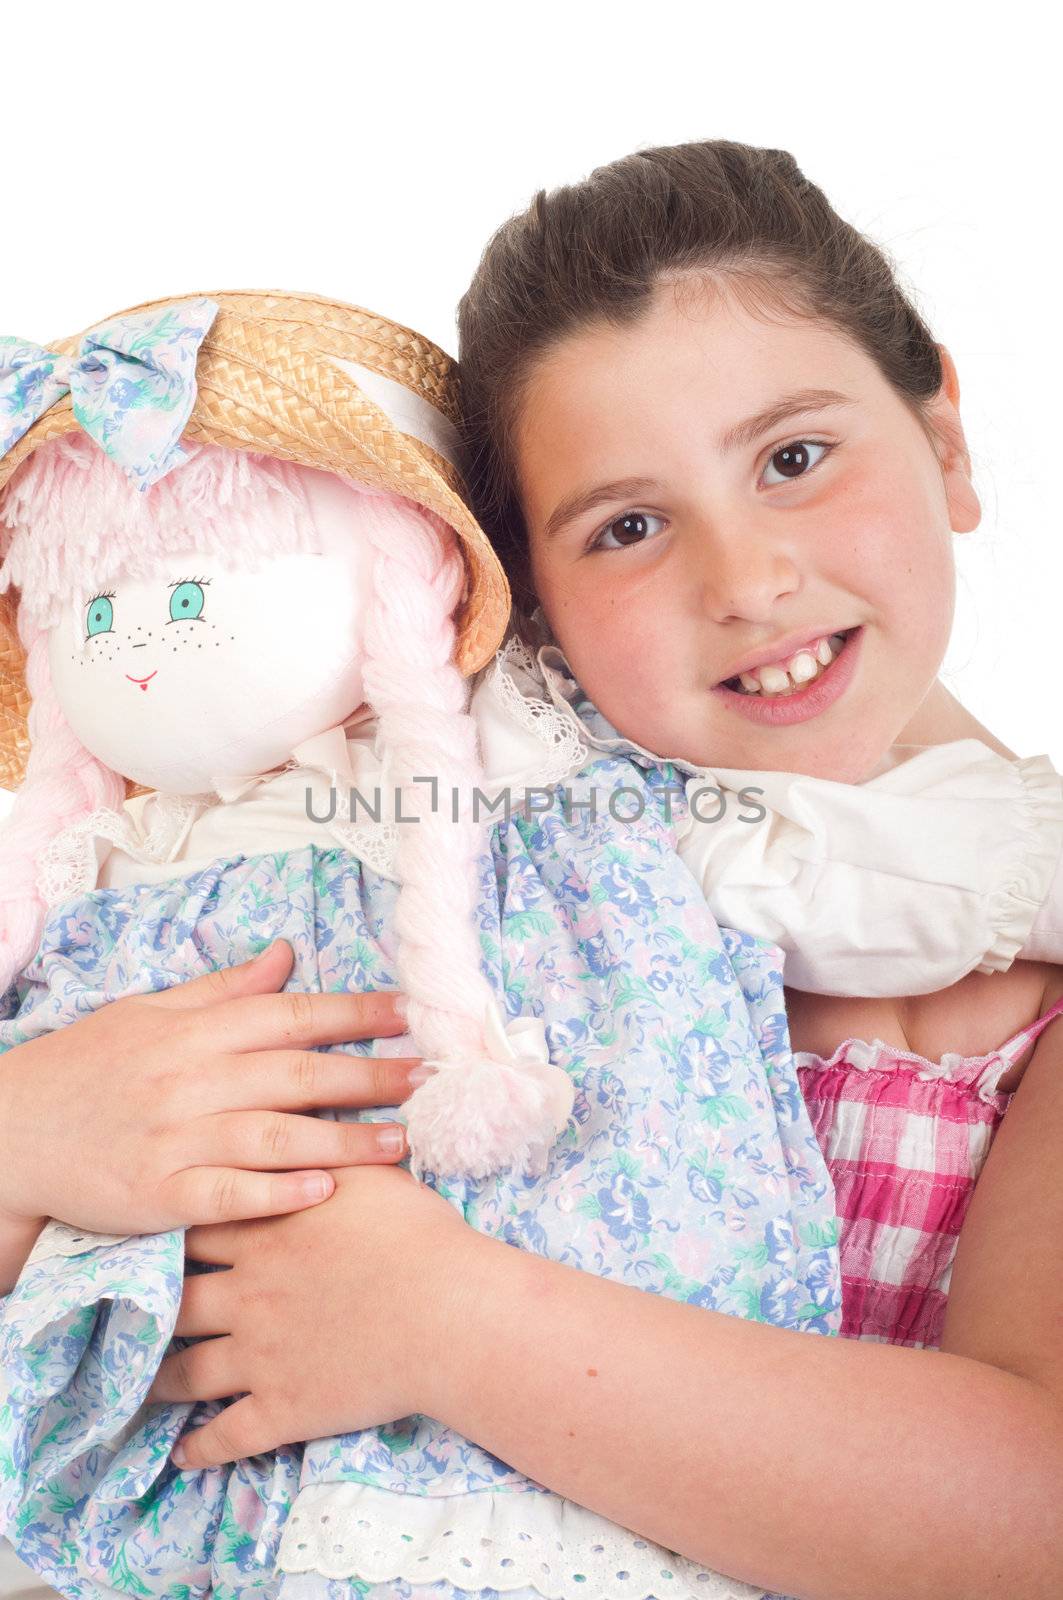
<point x="267" y="382"/>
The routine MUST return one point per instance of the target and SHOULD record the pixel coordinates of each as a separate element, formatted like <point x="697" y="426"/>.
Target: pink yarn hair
<point x="478" y="1113"/>
<point x="63" y="783"/>
<point x="74" y="522"/>
<point x="420" y="697"/>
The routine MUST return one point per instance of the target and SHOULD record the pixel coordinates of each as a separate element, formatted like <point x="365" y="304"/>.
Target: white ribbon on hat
<point x="411" y="413"/>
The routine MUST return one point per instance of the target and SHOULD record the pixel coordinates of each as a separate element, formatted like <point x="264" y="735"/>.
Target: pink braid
<point x="477" y="1113"/>
<point x="419" y="697"/>
<point x="63" y="783"/>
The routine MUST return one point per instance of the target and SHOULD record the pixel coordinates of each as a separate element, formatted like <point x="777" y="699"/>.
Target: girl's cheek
<point x="882" y="530"/>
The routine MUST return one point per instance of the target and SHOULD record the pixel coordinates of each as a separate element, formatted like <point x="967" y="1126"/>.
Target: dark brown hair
<point x="595" y="251"/>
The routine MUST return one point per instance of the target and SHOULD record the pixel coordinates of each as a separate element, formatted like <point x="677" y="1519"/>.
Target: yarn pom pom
<point x="475" y="1118"/>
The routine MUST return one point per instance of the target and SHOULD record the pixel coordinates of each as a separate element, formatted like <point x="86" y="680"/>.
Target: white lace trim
<point x="486" y="1540"/>
<point x="68" y="865"/>
<point x="553" y="726"/>
<point x="58" y="1239"/>
<point x="377" y="846"/>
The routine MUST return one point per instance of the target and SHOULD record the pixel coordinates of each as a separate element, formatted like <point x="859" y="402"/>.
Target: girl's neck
<point x="941" y="719"/>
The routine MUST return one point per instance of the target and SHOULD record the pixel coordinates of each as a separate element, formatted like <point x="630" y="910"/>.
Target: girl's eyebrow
<point x="584" y="500"/>
<point x="786" y="406"/>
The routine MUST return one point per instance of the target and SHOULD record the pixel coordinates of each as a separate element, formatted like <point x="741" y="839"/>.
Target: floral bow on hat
<point x="132" y="383"/>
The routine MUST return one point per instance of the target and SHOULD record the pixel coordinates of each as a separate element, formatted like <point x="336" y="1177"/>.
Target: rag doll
<point x="245" y="584"/>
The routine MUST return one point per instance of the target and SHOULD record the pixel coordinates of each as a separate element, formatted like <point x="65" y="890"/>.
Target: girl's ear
<point x="965" y="510"/>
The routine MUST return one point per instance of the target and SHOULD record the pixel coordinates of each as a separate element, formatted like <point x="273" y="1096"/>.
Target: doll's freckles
<point x="190" y="629"/>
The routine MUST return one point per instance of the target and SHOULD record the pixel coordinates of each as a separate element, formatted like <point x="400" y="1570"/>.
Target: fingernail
<point x="317" y="1188"/>
<point x="420" y="1074"/>
<point x="391" y="1141"/>
<point x="179" y="1455"/>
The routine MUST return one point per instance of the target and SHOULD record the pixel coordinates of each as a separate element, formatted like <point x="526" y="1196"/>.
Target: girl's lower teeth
<point x="747" y="683"/>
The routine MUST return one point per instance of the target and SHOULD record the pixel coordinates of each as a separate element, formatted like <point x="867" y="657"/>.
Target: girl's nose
<point x="743" y="578"/>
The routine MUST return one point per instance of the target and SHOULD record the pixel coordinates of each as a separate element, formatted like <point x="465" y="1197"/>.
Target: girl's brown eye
<point x="634" y="527"/>
<point x="794" y="460"/>
<point x="629" y="530"/>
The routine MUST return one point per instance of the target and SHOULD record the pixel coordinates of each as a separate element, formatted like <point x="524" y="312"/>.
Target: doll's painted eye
<point x="186" y="602"/>
<point x="100" y="616"/>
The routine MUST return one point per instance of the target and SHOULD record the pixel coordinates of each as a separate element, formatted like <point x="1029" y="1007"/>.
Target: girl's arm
<point x="827" y="1469"/>
<point x="18" y="1235"/>
<point x="823" y="1468"/>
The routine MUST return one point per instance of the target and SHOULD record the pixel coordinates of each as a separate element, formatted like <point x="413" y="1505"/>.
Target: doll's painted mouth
<point x="143" y="682"/>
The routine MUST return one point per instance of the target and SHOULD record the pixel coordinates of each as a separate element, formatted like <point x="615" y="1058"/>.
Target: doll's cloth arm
<point x="897" y="886"/>
<point x="82" y="1336"/>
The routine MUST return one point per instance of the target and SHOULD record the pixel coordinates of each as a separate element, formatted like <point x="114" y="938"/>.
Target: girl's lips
<point x="816" y="697"/>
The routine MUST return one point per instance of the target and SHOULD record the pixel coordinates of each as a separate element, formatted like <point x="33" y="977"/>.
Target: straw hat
<point x="329" y="386"/>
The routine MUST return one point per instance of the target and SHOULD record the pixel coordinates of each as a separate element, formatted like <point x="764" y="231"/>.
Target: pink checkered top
<point x="905" y="1140"/>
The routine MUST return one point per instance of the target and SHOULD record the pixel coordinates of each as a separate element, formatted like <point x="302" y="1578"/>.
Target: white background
<point x="166" y="149"/>
<point x="367" y="153"/>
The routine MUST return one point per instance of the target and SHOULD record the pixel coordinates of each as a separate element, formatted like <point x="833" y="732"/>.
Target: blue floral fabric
<point x="689" y="1169"/>
<point x="132" y="383"/>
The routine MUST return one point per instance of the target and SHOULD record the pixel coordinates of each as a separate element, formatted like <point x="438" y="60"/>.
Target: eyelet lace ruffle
<point x="68" y="864"/>
<point x="517" y="684"/>
<point x="377" y="845"/>
<point x="485" y="1540"/>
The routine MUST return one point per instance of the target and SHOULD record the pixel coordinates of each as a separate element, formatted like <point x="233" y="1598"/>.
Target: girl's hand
<point x="313" y="1350"/>
<point x="167" y="1109"/>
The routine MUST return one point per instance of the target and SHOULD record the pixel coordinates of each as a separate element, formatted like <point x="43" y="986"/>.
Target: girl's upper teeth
<point x="804" y="667"/>
<point x="782" y="677"/>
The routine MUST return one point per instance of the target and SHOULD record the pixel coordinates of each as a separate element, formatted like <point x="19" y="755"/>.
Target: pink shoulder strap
<point x="1024" y="1039"/>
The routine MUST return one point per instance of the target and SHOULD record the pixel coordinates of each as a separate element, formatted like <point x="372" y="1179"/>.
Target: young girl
<point x="713" y="433"/>
<point x="301" y="1538"/>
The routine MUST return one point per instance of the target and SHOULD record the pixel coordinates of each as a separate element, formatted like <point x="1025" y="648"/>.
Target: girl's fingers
<point x="240" y="1430"/>
<point x="272" y="1141"/>
<point x="299" y="1020"/>
<point x="207" y="1195"/>
<point x="309" y="1080"/>
<point x="261" y="974"/>
<point x="202" y="1372"/>
<point x="217" y="1244"/>
<point x="243" y="1010"/>
<point x="205" y="1308"/>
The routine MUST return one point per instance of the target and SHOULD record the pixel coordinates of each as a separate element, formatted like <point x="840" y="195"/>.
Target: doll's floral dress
<point x="689" y="1169"/>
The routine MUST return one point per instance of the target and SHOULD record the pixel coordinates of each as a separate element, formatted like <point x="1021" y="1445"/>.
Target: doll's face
<point x="201" y="672"/>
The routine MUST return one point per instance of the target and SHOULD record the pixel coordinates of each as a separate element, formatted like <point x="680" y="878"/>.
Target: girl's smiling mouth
<point x="143" y="682"/>
<point x="775" y="693"/>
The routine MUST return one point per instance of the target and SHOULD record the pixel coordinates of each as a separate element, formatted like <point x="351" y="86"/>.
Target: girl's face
<point x="740" y="534"/>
